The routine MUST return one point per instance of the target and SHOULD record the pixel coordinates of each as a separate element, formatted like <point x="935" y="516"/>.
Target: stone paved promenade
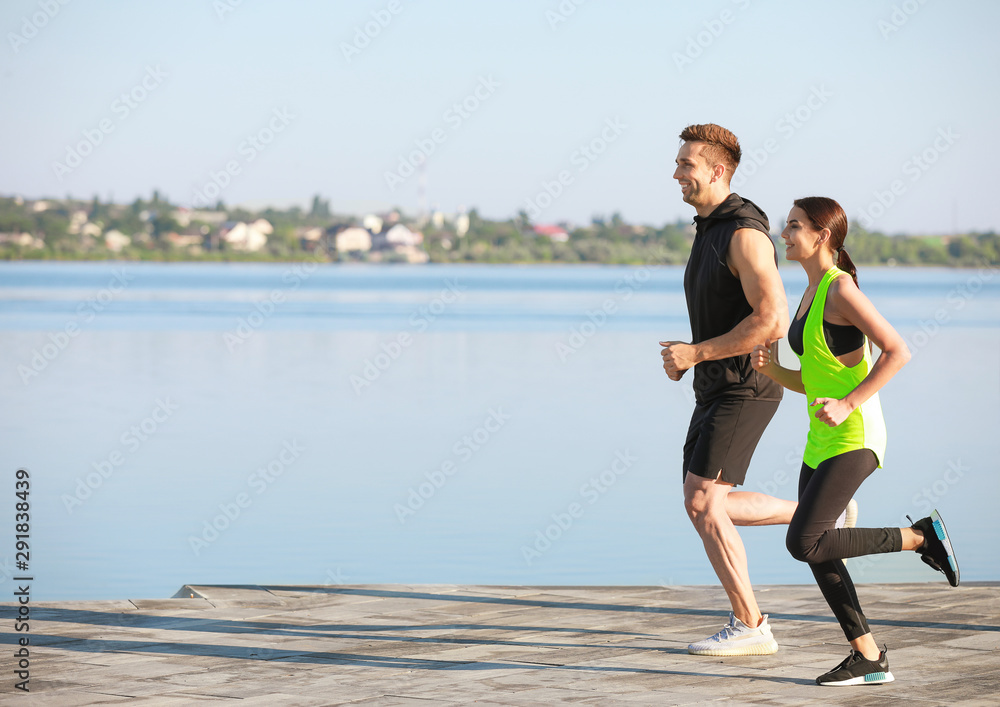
<point x="447" y="644"/>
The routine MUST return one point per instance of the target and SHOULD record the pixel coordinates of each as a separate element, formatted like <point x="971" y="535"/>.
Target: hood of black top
<point x="738" y="208"/>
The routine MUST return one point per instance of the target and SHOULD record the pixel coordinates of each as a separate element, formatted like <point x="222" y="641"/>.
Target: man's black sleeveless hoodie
<point x="716" y="303"/>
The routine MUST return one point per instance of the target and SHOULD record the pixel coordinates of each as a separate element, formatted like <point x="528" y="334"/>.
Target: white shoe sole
<point x="870" y="679"/>
<point x="766" y="648"/>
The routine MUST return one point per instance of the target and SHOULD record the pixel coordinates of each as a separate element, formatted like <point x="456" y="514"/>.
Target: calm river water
<point x="204" y="423"/>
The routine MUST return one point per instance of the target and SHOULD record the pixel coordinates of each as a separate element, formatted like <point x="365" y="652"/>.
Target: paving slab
<point x="454" y="644"/>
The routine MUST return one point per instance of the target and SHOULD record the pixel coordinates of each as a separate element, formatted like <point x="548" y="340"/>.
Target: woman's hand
<point x="833" y="412"/>
<point x="760" y="357"/>
<point x="764" y="359"/>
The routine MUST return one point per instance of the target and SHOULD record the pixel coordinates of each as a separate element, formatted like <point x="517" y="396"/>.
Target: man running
<point x="735" y="301"/>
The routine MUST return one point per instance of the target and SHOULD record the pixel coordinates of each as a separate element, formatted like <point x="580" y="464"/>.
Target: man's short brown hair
<point x="721" y="146"/>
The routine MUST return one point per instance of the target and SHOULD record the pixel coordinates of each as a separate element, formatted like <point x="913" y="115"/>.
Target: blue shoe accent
<point x="937" y="550"/>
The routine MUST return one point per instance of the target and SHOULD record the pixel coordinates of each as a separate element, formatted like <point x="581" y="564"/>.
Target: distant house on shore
<point x="90" y="230"/>
<point x="25" y="240"/>
<point x="310" y="238"/>
<point x="413" y="254"/>
<point x="115" y="240"/>
<point x="248" y="237"/>
<point x="354" y="239"/>
<point x="401" y="236"/>
<point x="373" y="223"/>
<point x="461" y="224"/>
<point x="554" y="233"/>
<point x="77" y="219"/>
<point x="185" y="240"/>
<point x="387" y="244"/>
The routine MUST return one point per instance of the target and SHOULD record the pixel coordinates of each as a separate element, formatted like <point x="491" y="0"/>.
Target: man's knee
<point x="696" y="503"/>
<point x="702" y="507"/>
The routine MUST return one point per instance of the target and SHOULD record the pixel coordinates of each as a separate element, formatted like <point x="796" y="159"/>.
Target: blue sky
<point x="889" y="107"/>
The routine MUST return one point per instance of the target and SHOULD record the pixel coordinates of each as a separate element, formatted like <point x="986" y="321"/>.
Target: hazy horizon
<point x="568" y="103"/>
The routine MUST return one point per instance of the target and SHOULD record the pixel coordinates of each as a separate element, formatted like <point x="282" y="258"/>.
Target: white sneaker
<point x="738" y="639"/>
<point x="849" y="518"/>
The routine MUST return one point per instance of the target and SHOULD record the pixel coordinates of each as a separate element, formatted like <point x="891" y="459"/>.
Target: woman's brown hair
<point x="827" y="213"/>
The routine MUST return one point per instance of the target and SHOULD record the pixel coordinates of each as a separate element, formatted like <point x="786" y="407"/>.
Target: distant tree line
<point x="516" y="240"/>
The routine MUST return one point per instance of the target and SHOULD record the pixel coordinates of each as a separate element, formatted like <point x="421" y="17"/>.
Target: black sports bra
<point x="840" y="338"/>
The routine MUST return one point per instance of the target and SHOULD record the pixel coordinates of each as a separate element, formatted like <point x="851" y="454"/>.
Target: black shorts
<point x="723" y="435"/>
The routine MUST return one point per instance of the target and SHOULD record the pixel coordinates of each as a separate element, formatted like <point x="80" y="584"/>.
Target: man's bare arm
<point x="751" y="258"/>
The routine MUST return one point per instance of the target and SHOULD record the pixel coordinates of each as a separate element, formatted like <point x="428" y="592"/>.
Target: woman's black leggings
<point x="823" y="495"/>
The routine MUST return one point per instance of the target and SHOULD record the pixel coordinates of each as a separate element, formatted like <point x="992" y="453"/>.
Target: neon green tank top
<point x="823" y="376"/>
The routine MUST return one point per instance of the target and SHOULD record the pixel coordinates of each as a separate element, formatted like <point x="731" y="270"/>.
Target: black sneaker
<point x="858" y="670"/>
<point x="937" y="551"/>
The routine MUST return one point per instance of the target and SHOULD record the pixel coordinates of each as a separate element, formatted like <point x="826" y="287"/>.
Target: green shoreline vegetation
<point x="156" y="230"/>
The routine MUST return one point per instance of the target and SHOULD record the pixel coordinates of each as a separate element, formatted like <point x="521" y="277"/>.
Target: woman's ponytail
<point x="845" y="263"/>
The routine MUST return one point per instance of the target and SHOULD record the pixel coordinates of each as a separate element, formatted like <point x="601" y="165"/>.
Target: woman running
<point x="846" y="442"/>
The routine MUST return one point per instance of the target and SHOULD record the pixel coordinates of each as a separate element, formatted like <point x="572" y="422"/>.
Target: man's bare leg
<point x="706" y="503"/>
<point x="751" y="508"/>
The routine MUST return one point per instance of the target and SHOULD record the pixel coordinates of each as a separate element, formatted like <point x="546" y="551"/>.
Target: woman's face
<point x="801" y="238"/>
